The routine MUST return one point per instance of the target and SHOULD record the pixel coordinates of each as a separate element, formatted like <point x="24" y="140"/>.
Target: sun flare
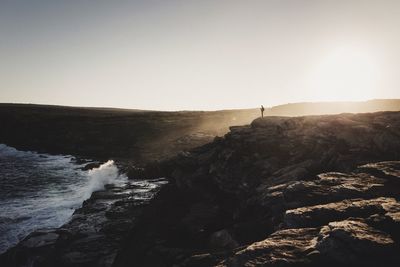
<point x="345" y="74"/>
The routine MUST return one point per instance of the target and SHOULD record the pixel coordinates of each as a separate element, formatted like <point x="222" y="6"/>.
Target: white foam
<point x="42" y="191"/>
<point x="107" y="173"/>
<point x="7" y="151"/>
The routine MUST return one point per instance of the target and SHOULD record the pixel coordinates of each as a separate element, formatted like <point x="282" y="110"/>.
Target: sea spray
<point x="42" y="191"/>
<point x="107" y="173"/>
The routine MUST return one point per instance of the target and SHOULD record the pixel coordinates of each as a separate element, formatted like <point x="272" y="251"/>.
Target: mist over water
<point x="42" y="191"/>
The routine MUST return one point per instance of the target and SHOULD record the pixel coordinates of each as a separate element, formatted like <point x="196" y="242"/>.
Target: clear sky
<point x="204" y="54"/>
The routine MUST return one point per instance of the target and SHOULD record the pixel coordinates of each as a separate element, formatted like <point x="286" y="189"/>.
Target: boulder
<point x="283" y="248"/>
<point x="353" y="242"/>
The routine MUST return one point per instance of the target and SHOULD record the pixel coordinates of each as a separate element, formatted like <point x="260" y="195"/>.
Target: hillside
<point x="137" y="135"/>
<point x="324" y="108"/>
<point x="117" y="133"/>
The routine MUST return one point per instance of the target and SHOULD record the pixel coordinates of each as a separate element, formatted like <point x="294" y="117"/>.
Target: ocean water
<point x="42" y="191"/>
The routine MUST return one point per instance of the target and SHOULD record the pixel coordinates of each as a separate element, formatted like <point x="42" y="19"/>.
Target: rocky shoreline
<point x="93" y="235"/>
<point x="283" y="191"/>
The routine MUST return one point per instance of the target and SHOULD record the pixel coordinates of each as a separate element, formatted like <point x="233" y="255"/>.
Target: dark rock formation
<point x="303" y="191"/>
<point x="279" y="192"/>
<point x="349" y="242"/>
<point x="93" y="235"/>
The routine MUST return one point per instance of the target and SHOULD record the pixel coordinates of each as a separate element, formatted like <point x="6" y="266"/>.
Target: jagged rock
<point x="326" y="188"/>
<point x="304" y="167"/>
<point x="321" y="214"/>
<point x="354" y="242"/>
<point x="283" y="248"/>
<point x="349" y="243"/>
<point x="389" y="169"/>
<point x="276" y="150"/>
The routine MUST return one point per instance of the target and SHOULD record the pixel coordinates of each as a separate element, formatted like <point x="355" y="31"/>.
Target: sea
<point x="40" y="191"/>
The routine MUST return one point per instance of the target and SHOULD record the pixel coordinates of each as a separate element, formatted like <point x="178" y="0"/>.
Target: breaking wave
<point x="42" y="191"/>
<point x="107" y="173"/>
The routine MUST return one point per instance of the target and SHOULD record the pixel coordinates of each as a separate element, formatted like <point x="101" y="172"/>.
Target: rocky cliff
<point x="283" y="191"/>
<point x="303" y="191"/>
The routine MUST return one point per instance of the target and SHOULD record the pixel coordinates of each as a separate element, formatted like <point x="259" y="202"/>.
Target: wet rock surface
<point x="304" y="191"/>
<point x="94" y="233"/>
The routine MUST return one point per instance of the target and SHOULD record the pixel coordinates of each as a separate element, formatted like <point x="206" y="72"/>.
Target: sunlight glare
<point x="346" y="74"/>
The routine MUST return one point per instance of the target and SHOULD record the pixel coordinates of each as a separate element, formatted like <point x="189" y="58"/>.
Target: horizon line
<point x="194" y="110"/>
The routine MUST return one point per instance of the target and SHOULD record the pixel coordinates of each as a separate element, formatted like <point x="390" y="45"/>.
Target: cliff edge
<point x="283" y="191"/>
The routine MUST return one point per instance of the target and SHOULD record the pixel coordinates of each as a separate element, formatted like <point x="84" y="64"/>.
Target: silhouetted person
<point x="262" y="111"/>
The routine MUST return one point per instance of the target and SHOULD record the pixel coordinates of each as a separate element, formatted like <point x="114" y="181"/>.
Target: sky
<point x="198" y="55"/>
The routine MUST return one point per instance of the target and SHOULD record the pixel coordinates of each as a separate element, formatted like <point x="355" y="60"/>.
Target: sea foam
<point x="107" y="173"/>
<point x="42" y="190"/>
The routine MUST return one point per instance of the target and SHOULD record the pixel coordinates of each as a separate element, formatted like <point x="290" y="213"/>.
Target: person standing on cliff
<point x="262" y="111"/>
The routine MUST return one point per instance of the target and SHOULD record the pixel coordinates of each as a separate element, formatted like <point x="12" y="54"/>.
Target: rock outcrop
<point x="303" y="191"/>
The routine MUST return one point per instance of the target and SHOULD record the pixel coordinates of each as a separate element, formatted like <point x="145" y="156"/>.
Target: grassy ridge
<point x="103" y="133"/>
<point x="137" y="134"/>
